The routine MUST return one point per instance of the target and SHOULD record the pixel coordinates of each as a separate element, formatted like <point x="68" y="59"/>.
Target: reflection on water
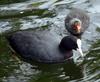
<point x="93" y="63"/>
<point x="59" y="72"/>
<point x="24" y="14"/>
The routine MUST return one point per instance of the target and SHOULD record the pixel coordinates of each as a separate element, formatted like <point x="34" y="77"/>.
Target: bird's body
<point x="39" y="46"/>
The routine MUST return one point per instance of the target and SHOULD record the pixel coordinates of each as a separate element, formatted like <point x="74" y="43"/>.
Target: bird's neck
<point x="68" y="54"/>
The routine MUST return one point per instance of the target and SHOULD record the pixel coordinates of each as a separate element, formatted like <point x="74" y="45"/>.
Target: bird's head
<point x="76" y="25"/>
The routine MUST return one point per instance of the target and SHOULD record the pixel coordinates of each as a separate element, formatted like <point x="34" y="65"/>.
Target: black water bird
<point x="42" y="46"/>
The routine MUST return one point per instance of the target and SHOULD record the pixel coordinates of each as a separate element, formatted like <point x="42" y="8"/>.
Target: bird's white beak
<point x="79" y="49"/>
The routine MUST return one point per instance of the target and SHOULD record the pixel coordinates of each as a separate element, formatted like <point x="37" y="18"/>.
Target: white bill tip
<point x="79" y="47"/>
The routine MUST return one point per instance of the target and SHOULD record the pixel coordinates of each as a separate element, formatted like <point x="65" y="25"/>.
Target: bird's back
<point x="38" y="46"/>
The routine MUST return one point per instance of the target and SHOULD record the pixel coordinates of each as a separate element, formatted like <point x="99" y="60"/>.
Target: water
<point x="49" y="14"/>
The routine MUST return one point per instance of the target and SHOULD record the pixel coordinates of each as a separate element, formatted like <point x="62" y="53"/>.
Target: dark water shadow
<point x="58" y="72"/>
<point x="3" y="2"/>
<point x="8" y="14"/>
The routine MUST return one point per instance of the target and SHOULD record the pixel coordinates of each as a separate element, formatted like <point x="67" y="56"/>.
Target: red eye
<point x="74" y="26"/>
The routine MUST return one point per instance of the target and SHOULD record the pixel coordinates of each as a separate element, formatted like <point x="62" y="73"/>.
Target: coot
<point x="42" y="46"/>
<point x="77" y="21"/>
